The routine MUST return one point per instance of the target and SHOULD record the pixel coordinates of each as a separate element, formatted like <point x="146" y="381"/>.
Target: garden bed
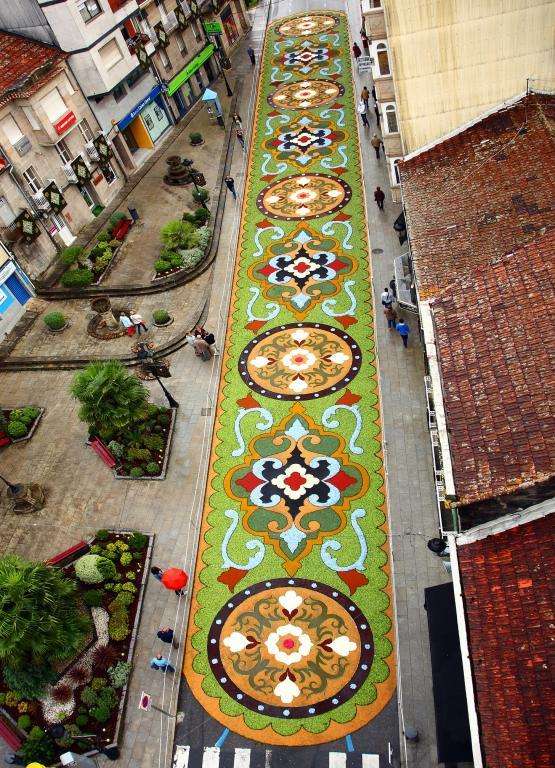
<point x="160" y="457"/>
<point x="90" y="692"/>
<point x="30" y="418"/>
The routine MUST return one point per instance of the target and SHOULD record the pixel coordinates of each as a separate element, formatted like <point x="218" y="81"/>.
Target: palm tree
<point x="111" y="398"/>
<point x="41" y="622"/>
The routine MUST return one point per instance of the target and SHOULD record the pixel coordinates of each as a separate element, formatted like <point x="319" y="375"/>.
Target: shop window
<point x="132" y="79"/>
<point x="32" y="118"/>
<point x="230" y="28"/>
<point x="166" y="63"/>
<point x="391" y="119"/>
<point x="110" y="53"/>
<point x="85" y="129"/>
<point x="11" y="130"/>
<point x="383" y="60"/>
<point x="63" y="150"/>
<point x="119" y="92"/>
<point x="33" y="179"/>
<point x="182" y="45"/>
<point x="89" y="9"/>
<point x="108" y="173"/>
<point x="53" y="105"/>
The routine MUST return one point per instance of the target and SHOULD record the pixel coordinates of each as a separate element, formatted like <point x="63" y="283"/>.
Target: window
<point x="391" y="119"/>
<point x="53" y="105"/>
<point x="110" y="53"/>
<point x="108" y="173"/>
<point x="33" y="179"/>
<point x="7" y="214"/>
<point x="135" y="76"/>
<point x="63" y="150"/>
<point x="11" y="130"/>
<point x="383" y="60"/>
<point x="164" y="59"/>
<point x="85" y="129"/>
<point x="89" y="9"/>
<point x="119" y="92"/>
<point x="196" y="30"/>
<point x="32" y="118"/>
<point x="395" y="177"/>
<point x="182" y="45"/>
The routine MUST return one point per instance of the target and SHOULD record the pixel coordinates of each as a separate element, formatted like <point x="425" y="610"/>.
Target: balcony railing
<point x="115" y="5"/>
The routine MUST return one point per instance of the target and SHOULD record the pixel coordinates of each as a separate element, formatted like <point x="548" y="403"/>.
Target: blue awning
<point x="130" y="116"/>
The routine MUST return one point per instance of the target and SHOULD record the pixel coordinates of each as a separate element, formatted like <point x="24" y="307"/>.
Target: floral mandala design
<point x="307" y="25"/>
<point x="301" y="361"/>
<point x="300" y="272"/>
<point x="290" y="648"/>
<point x="306" y="196"/>
<point x="305" y="94"/>
<point x="306" y="57"/>
<point x="305" y="141"/>
<point x="295" y="485"/>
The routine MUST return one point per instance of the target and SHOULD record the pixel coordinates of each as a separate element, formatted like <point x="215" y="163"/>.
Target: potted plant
<point x="162" y="317"/>
<point x="77" y="278"/>
<point x="196" y="138"/>
<point x="55" y="321"/>
<point x="200" y="195"/>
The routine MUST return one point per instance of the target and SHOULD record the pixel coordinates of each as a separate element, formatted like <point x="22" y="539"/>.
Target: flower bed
<point x="184" y="247"/>
<point x="89" y="693"/>
<point x="18" y="424"/>
<point x="136" y="468"/>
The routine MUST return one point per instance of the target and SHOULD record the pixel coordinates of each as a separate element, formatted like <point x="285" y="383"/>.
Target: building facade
<point x="53" y="178"/>
<point x="437" y="65"/>
<point x="15" y="291"/>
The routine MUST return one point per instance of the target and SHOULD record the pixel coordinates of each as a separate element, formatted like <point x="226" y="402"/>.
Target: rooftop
<point x="25" y="65"/>
<point x="481" y="193"/>
<point x="492" y="332"/>
<point x="508" y="592"/>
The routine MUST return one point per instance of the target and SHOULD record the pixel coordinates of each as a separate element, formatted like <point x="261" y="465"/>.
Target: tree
<point x="41" y="622"/>
<point x="110" y="397"/>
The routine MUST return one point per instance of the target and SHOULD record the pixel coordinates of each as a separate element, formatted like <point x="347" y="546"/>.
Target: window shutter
<point x="53" y="105"/>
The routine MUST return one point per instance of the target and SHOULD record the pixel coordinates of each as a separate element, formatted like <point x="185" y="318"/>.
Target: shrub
<point x="139" y="454"/>
<point x="77" y="278"/>
<point x="102" y="261"/>
<point x="154" y="442"/>
<point x="81" y="720"/>
<point x="200" y="195"/>
<point x="24" y="722"/>
<point x="195" y="137"/>
<point x="102" y="534"/>
<point x="114" y="244"/>
<point x="78" y="675"/>
<point x="26" y="415"/>
<point x="94" y="569"/>
<point x="163" y="418"/>
<point x="130" y="575"/>
<point x="54" y="321"/>
<point x="97" y="683"/>
<point x="101" y="713"/>
<point x="191" y="257"/>
<point x="178" y="234"/>
<point x="203" y="237"/>
<point x="71" y="255"/>
<point x="128" y="587"/>
<point x="161" y="265"/>
<point x="17" y="429"/>
<point x="176" y="260"/>
<point x="22" y="707"/>
<point x="138" y="541"/>
<point x="136" y="472"/>
<point x="161" y="316"/>
<point x="118" y="626"/>
<point x="152" y="468"/>
<point x="88" y="696"/>
<point x="126" y="557"/>
<point x="2" y="698"/>
<point x="119" y="674"/>
<point x="12" y="698"/>
<point x="93" y="598"/>
<point x="29" y="681"/>
<point x="124" y="598"/>
<point x="38" y="747"/>
<point x="103" y="236"/>
<point x="201" y="216"/>
<point x="61" y="693"/>
<point x="115" y="219"/>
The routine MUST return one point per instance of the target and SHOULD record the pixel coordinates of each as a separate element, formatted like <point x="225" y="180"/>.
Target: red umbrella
<point x="174" y="578"/>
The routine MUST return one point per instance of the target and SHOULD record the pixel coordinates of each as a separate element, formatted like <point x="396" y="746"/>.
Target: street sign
<point x="364" y="63"/>
<point x="145" y="702"/>
<point x="213" y="28"/>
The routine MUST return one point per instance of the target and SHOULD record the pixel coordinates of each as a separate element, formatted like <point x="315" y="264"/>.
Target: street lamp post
<point x="172" y="402"/>
<point x="195" y="10"/>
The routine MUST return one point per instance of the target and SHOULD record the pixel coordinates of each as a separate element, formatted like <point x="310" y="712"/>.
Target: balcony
<point x="41" y="202"/>
<point x="169" y="23"/>
<point x="374" y="19"/>
<point x="115" y="5"/>
<point x="384" y="88"/>
<point x="392" y="144"/>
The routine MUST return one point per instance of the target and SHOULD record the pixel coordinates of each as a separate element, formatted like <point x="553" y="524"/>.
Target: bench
<point x="60" y="558"/>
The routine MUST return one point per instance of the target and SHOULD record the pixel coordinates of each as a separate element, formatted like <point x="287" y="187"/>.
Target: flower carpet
<point x="290" y="637"/>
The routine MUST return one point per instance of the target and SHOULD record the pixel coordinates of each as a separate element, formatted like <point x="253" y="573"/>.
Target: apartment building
<point x="56" y="168"/>
<point x="437" y="66"/>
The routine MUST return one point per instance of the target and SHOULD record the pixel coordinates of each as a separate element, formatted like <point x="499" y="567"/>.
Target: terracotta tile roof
<point x="482" y="193"/>
<point x="25" y="65"/>
<point x="509" y="596"/>
<point x="494" y="337"/>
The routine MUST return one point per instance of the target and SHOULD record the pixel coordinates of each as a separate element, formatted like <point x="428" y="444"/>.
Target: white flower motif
<point x="295" y="481"/>
<point x="259" y="362"/>
<point x="287" y="690"/>
<point x="236" y="642"/>
<point x="300" y="335"/>
<point x="342" y="646"/>
<point x="299" y="359"/>
<point x="339" y="357"/>
<point x="301" y="267"/>
<point x="278" y="647"/>
<point x="290" y="600"/>
<point x="298" y="385"/>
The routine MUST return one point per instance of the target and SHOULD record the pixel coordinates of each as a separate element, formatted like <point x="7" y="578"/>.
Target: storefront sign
<point x="65" y="122"/>
<point x="190" y="69"/>
<point x="54" y="196"/>
<point x="7" y="270"/>
<point x="130" y="116"/>
<point x="213" y="28"/>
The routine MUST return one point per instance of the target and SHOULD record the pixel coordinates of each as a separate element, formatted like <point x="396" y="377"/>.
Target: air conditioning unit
<point x="92" y="151"/>
<point x="41" y="202"/>
<point x="169" y="22"/>
<point x="70" y="174"/>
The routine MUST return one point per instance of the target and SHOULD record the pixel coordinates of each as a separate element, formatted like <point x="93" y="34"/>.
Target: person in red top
<point x="356" y="51"/>
<point x="379" y="197"/>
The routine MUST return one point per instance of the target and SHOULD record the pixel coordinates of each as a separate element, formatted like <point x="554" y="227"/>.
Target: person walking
<point x="252" y="57"/>
<point x="160" y="663"/>
<point x="373" y="92"/>
<point x="403" y="330"/>
<point x="362" y="112"/>
<point x="166" y="635"/>
<point x="357" y="53"/>
<point x="237" y="120"/>
<point x="365" y="96"/>
<point x="379" y="197"/>
<point x="387" y="297"/>
<point x="365" y="41"/>
<point x="377" y="113"/>
<point x="230" y="184"/>
<point x="139" y="323"/>
<point x="390" y="316"/>
<point x="156" y="572"/>
<point x="241" y="138"/>
<point x="376" y="142"/>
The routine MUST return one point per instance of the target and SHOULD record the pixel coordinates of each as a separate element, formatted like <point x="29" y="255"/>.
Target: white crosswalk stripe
<point x="214" y="757"/>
